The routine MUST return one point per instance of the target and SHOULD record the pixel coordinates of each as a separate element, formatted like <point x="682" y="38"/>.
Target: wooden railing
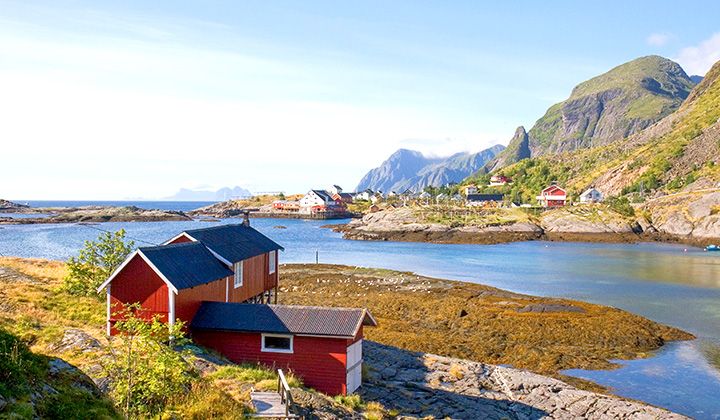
<point x="284" y="391"/>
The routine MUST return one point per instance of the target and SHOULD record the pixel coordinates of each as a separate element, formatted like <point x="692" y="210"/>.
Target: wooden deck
<point x="268" y="404"/>
<point x="274" y="405"/>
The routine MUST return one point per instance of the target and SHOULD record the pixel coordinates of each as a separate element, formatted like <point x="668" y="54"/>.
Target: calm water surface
<point x="672" y="284"/>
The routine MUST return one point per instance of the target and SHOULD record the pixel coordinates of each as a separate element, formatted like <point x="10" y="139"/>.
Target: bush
<point x="621" y="205"/>
<point x="96" y="261"/>
<point x="145" y="370"/>
<point x="352" y="402"/>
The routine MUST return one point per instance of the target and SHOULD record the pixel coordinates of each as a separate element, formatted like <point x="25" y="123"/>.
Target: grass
<point x="35" y="312"/>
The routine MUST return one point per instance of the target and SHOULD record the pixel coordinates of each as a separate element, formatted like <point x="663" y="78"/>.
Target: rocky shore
<point x="90" y="214"/>
<point x="690" y="218"/>
<point x="421" y="385"/>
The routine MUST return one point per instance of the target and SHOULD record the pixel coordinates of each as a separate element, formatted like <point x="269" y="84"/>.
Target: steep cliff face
<point x="408" y="169"/>
<point x="612" y="106"/>
<point x="517" y="150"/>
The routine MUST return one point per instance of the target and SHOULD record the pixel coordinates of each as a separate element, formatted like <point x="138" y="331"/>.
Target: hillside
<point x="409" y="169"/>
<point x="612" y="106"/>
<point x="680" y="151"/>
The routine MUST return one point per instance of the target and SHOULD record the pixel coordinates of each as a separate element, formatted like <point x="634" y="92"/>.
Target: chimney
<point x="246" y="218"/>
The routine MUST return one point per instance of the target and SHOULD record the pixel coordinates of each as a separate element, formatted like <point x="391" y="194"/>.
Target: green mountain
<point x="681" y="151"/>
<point x="612" y="106"/>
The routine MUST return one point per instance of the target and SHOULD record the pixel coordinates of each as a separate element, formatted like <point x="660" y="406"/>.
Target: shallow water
<point x="672" y="284"/>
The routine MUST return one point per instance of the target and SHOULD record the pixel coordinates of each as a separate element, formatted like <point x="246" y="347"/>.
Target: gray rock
<point x="484" y="391"/>
<point x="77" y="340"/>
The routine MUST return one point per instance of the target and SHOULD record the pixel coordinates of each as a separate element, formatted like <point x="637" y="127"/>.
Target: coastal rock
<point x="421" y="384"/>
<point x="585" y="219"/>
<point x="9" y="206"/>
<point x="95" y="214"/>
<point x="694" y="215"/>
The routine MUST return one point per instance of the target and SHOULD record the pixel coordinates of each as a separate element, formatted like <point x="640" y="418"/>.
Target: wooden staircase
<point x="274" y="404"/>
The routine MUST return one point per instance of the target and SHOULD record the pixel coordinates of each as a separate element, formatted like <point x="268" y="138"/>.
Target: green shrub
<point x="621" y="205"/>
<point x="352" y="402"/>
<point x="96" y="261"/>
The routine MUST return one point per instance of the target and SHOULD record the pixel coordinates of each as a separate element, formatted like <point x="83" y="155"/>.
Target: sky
<point x="135" y="99"/>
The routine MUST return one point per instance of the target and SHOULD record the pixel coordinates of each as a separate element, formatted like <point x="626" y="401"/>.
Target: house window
<point x="277" y="343"/>
<point x="271" y="261"/>
<point x="238" y="274"/>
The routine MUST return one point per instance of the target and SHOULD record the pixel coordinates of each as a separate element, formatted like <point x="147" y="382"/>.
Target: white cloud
<point x="699" y="58"/>
<point x="658" y="39"/>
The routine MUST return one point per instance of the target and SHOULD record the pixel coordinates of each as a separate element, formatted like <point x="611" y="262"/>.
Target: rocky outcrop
<point x="95" y="214"/>
<point x="75" y="339"/>
<point x="9" y="206"/>
<point x="582" y="223"/>
<point x="693" y="216"/>
<point x="517" y="150"/>
<point x="421" y="385"/>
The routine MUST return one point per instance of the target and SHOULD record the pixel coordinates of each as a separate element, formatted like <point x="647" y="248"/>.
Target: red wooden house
<point x="552" y="196"/>
<point x="203" y="276"/>
<point x="229" y="263"/>
<point x="321" y="345"/>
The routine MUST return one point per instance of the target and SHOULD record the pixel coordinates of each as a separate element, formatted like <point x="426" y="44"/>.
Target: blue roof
<point x="281" y="319"/>
<point x="234" y="242"/>
<point x="186" y="265"/>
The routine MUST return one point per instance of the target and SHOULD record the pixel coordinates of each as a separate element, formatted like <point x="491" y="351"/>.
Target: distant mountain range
<point x="223" y="194"/>
<point x="410" y="169"/>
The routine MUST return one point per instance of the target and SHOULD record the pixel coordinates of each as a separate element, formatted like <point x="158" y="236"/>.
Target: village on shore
<point x="336" y="203"/>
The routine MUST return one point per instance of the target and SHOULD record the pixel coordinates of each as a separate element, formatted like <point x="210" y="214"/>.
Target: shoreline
<point x="456" y="236"/>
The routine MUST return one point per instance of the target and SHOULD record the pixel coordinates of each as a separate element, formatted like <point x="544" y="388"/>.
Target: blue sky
<point x="113" y="100"/>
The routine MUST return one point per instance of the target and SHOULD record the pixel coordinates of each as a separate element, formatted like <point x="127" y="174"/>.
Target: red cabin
<point x="552" y="196"/>
<point x="229" y="263"/>
<point x="323" y="346"/>
<point x="219" y="281"/>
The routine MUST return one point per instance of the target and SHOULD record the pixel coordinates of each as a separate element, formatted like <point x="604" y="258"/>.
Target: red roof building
<point x="552" y="196"/>
<point x="219" y="281"/>
<point x="321" y="345"/>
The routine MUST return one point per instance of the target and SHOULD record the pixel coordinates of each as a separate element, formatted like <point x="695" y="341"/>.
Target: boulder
<point x="76" y="340"/>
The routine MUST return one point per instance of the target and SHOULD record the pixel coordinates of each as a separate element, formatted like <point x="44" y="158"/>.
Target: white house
<point x="364" y="195"/>
<point x="469" y="189"/>
<point x="335" y="189"/>
<point x="591" y="195"/>
<point x="316" y="199"/>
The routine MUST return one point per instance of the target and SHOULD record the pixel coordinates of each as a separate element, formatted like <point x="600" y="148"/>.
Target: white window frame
<point x="238" y="275"/>
<point x="272" y="261"/>
<point x="270" y="350"/>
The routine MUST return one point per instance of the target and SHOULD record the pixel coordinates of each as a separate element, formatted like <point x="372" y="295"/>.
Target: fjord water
<point x="672" y="284"/>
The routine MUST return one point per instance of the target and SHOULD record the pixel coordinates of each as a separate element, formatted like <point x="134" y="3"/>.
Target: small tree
<point x="144" y="369"/>
<point x="96" y="261"/>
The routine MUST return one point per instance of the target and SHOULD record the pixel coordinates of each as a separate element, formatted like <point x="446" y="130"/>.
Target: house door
<point x="354" y="366"/>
